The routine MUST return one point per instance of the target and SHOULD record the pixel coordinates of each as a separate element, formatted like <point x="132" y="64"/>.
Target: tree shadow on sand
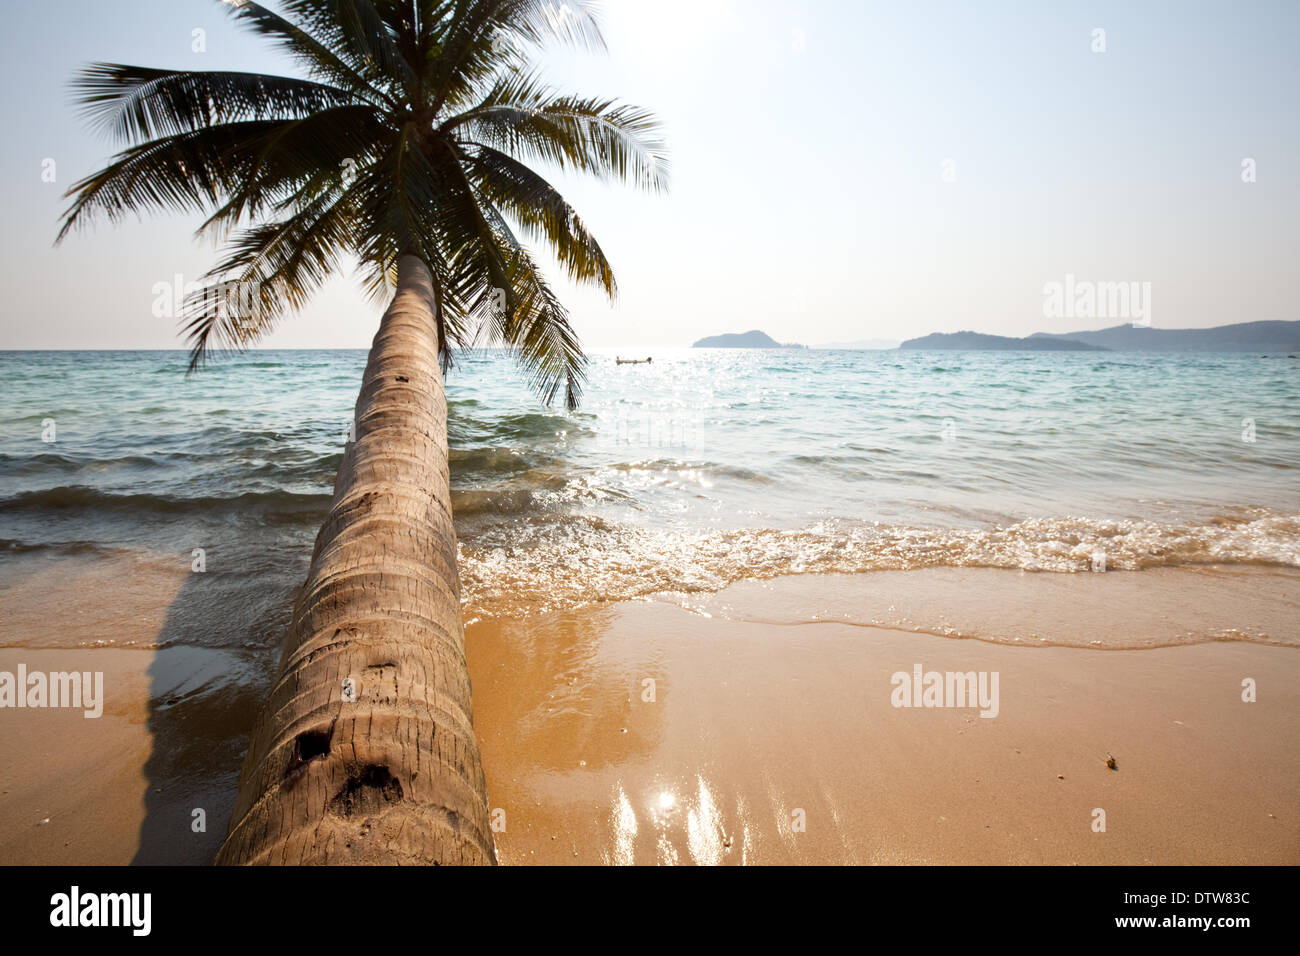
<point x="219" y="650"/>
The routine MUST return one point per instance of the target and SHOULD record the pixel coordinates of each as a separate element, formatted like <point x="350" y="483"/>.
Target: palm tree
<point x="406" y="148"/>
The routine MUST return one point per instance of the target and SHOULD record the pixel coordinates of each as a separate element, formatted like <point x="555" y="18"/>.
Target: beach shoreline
<point x="769" y="707"/>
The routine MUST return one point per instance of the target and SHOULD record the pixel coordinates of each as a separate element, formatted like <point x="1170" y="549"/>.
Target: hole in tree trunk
<point x="307" y="746"/>
<point x="368" y="790"/>
<point x="313" y="743"/>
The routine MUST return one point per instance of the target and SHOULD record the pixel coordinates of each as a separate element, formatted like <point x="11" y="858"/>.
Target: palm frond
<point x="135" y="103"/>
<point x="320" y="60"/>
<point x="356" y="30"/>
<point x="538" y="332"/>
<point x="544" y="214"/>
<point x="533" y="324"/>
<point x="303" y="155"/>
<point x="270" y="270"/>
<point x="526" y="118"/>
<point x="479" y="37"/>
<point x="184" y="172"/>
<point x="236" y="166"/>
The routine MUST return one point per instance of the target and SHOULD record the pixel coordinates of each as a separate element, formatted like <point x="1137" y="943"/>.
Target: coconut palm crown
<point x="414" y="132"/>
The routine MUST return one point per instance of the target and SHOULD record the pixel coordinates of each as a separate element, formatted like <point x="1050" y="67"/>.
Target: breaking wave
<point x="586" y="560"/>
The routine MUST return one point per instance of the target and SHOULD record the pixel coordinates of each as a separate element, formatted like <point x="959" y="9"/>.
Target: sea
<point x="673" y="479"/>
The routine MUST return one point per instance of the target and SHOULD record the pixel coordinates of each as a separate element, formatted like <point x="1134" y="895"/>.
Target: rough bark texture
<point x="394" y="776"/>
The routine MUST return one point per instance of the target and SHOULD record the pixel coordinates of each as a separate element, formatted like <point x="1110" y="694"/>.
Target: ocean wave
<point x="269" y="506"/>
<point x="521" y="427"/>
<point x="710" y="469"/>
<point x="16" y="547"/>
<point x="44" y="414"/>
<point x="47" y="462"/>
<point x="496" y="460"/>
<point x="556" y="565"/>
<point x="471" y="502"/>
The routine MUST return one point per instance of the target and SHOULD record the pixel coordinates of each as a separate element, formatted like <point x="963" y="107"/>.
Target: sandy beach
<point x="754" y="726"/>
<point x="752" y="723"/>
<point x="123" y="787"/>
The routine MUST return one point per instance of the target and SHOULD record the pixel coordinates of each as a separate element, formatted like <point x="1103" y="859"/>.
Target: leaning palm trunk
<point x="392" y="776"/>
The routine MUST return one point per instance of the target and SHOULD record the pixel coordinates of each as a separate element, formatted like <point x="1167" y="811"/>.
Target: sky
<point x="841" y="170"/>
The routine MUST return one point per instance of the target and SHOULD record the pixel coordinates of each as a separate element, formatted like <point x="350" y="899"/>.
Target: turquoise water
<point x="705" y="467"/>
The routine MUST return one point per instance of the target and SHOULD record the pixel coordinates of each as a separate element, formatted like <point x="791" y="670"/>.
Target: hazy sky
<point x="841" y="170"/>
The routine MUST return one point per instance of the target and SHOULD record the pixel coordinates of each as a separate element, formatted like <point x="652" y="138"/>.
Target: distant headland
<point x="742" y="340"/>
<point x="1268" y="336"/>
<point x="1265" y="336"/>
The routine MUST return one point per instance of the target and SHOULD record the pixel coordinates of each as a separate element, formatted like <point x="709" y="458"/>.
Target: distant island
<point x="1267" y="336"/>
<point x="742" y="340"/>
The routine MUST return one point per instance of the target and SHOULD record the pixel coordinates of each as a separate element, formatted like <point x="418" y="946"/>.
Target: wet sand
<point x="771" y="706"/>
<point x="752" y="723"/>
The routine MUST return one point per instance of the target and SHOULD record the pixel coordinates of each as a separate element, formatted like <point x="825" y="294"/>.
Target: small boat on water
<point x="623" y="361"/>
